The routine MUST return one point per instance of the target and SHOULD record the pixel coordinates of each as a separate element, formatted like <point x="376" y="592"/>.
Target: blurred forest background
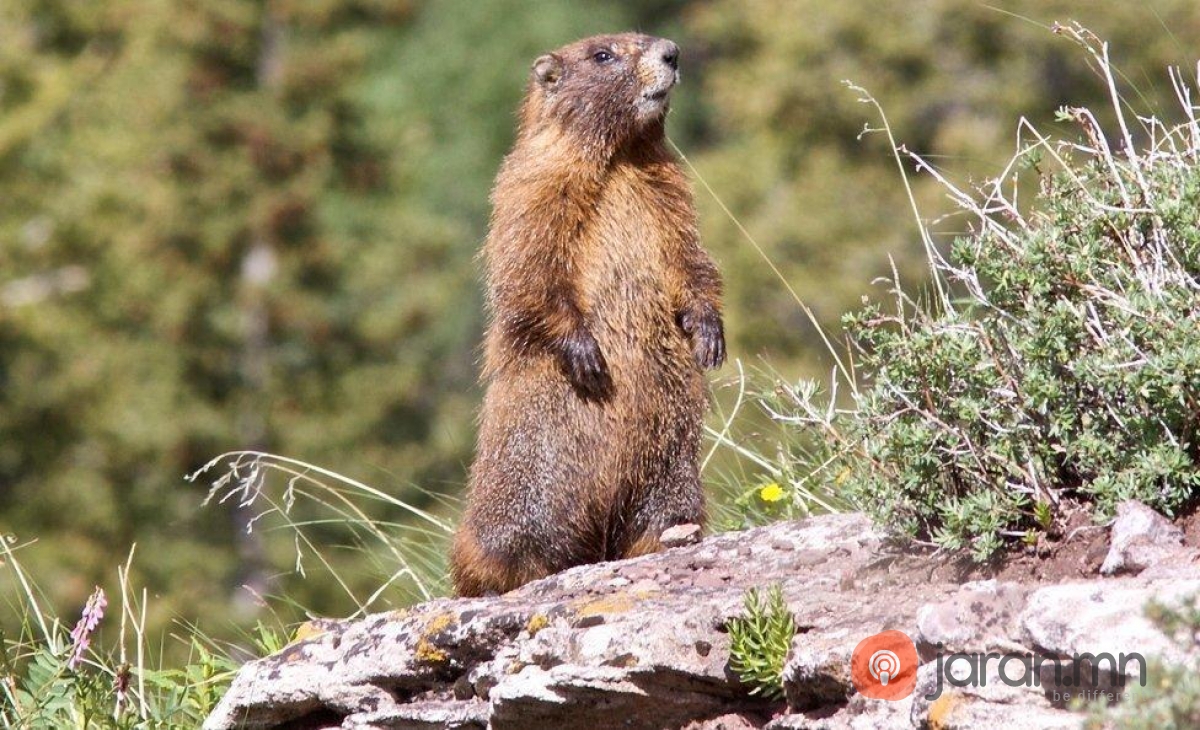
<point x="232" y="224"/>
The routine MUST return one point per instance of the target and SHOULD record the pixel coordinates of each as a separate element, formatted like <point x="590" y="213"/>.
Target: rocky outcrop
<point x="643" y="643"/>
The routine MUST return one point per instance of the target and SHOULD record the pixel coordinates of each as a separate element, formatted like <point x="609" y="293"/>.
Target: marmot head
<point x="605" y="90"/>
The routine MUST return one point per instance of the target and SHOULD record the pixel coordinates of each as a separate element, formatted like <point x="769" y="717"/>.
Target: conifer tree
<point x="203" y="252"/>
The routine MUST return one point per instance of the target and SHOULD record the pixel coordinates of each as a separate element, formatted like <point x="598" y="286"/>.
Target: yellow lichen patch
<point x="441" y="622"/>
<point x="940" y="711"/>
<point x="427" y="650"/>
<point x="537" y="622"/>
<point x="291" y="653"/>
<point x="616" y="603"/>
<point x="641" y="593"/>
<point x="429" y="653"/>
<point x="306" y="630"/>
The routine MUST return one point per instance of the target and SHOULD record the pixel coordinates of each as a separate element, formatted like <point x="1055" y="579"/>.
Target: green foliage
<point x="190" y="693"/>
<point x="1057" y="359"/>
<point x="1171" y="698"/>
<point x="52" y="678"/>
<point x="44" y="692"/>
<point x="778" y="141"/>
<point x="204" y="247"/>
<point x="786" y="497"/>
<point x="760" y="640"/>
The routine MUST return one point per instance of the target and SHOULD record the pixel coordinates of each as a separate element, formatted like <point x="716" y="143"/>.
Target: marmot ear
<point x="548" y="69"/>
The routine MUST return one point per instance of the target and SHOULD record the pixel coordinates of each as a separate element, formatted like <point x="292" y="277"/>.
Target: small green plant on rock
<point x="760" y="640"/>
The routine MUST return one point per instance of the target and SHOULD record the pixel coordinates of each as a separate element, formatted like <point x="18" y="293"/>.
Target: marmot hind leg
<point x="477" y="571"/>
<point x="675" y="501"/>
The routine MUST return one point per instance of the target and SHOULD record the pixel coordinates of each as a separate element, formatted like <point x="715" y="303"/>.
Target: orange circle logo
<point x="884" y="666"/>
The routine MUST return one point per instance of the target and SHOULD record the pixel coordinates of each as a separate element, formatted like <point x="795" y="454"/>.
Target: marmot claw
<point x="585" y="365"/>
<point x="707" y="332"/>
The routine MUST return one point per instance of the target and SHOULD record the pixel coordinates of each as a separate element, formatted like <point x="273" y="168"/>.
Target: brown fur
<point x="604" y="312"/>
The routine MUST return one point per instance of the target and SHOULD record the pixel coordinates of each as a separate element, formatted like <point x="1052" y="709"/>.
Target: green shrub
<point x="1056" y="359"/>
<point x="760" y="640"/>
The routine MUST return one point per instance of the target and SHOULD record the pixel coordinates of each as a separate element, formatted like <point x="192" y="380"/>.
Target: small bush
<point x="760" y="640"/>
<point x="1056" y="361"/>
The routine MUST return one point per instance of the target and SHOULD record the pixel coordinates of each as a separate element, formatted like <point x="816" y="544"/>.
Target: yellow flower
<point x="771" y="492"/>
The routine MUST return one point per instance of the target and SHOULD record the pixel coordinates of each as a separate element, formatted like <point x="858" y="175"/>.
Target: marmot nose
<point x="668" y="52"/>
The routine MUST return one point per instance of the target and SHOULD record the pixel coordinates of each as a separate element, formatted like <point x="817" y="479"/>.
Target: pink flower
<point x="82" y="633"/>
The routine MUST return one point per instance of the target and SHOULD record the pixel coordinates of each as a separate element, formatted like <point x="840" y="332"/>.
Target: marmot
<point x="604" y="312"/>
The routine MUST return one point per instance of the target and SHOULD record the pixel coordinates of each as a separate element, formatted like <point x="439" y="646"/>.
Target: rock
<point x="958" y="711"/>
<point x="978" y="616"/>
<point x="859" y="713"/>
<point x="984" y="700"/>
<point x="1140" y="539"/>
<point x="432" y="715"/>
<point x="680" y="535"/>
<point x="643" y="643"/>
<point x="817" y="670"/>
<point x="586" y="697"/>
<point x="733" y="721"/>
<point x="1103" y="616"/>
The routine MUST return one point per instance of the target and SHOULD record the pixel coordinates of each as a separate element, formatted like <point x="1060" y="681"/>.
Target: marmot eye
<point x="602" y="56"/>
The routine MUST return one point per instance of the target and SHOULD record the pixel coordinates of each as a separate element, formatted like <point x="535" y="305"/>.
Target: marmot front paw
<point x="585" y="365"/>
<point x="707" y="333"/>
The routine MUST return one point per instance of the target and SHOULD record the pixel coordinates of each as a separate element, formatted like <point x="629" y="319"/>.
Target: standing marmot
<point x="604" y="312"/>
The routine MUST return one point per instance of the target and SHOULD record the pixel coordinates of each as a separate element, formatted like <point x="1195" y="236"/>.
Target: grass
<point x="55" y="677"/>
<point x="409" y="554"/>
